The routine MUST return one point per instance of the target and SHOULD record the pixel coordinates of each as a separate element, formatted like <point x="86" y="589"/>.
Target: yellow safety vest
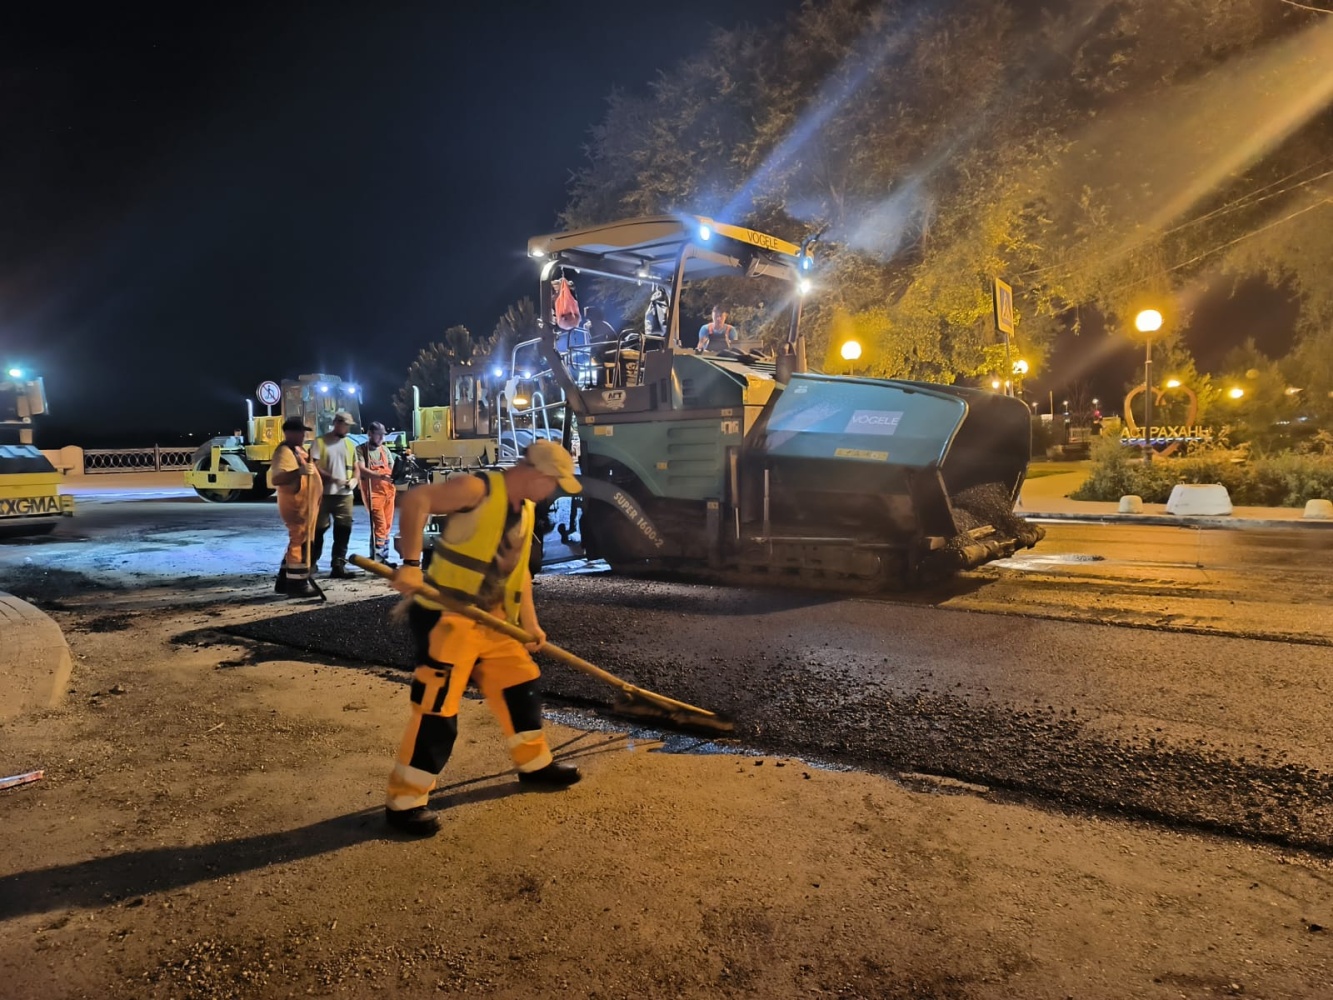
<point x="467" y="547"/>
<point x="318" y="451"/>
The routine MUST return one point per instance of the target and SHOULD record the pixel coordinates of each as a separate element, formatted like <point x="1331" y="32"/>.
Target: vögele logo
<point x="874" y="421"/>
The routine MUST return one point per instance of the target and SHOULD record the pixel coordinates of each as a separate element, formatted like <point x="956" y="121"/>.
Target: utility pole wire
<point x="1317" y="10"/>
<point x="1247" y="200"/>
<point x="1208" y="253"/>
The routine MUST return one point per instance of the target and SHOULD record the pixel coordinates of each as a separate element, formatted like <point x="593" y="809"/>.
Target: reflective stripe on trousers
<point x="453" y="650"/>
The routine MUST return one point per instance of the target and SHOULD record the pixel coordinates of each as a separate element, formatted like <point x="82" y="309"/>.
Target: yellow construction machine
<point x="235" y="467"/>
<point x="30" y="499"/>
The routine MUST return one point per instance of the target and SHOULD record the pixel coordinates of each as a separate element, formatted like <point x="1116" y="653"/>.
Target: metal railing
<point x="154" y="459"/>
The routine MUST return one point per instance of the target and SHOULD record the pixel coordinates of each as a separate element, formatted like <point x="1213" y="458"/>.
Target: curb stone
<point x="35" y="664"/>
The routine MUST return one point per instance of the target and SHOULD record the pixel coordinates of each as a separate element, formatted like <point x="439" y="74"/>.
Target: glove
<point x="406" y="579"/>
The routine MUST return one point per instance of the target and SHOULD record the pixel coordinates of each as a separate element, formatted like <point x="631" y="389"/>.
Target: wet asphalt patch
<point x="721" y="649"/>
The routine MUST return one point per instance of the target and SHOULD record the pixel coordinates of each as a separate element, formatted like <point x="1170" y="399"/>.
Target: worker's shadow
<point x="101" y="882"/>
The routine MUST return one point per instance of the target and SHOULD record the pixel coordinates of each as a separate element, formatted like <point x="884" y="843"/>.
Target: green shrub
<point x="1286" y="479"/>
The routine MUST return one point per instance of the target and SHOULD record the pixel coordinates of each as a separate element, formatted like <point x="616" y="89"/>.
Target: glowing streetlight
<point x="1020" y="367"/>
<point x="1236" y="392"/>
<point x="995" y="383"/>
<point x="1148" y="322"/>
<point x="850" y="351"/>
<point x="1173" y="383"/>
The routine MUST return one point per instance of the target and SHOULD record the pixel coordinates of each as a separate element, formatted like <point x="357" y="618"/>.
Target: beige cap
<point x="344" y="416"/>
<point x="552" y="460"/>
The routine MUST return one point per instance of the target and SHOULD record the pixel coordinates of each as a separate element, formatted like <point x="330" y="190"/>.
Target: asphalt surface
<point x="1208" y="712"/>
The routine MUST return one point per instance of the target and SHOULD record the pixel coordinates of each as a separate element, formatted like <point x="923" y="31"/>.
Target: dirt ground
<point x="210" y="827"/>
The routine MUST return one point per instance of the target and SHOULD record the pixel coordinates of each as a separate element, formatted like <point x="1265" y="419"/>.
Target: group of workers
<point x="315" y="488"/>
<point x="480" y="559"/>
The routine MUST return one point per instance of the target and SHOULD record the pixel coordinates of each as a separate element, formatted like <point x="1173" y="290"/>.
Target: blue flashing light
<point x="526" y="374"/>
<point x="499" y="371"/>
<point x="805" y="263"/>
<point x="322" y="387"/>
<point x="15" y="373"/>
<point x="352" y="389"/>
<point x="705" y="233"/>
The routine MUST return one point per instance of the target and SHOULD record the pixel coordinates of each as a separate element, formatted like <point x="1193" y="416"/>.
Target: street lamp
<point x="1147" y="322"/>
<point x="1236" y="392"/>
<point x="851" y="350"/>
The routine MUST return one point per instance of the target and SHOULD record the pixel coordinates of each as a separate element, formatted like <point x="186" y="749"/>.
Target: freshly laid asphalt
<point x="1203" y="731"/>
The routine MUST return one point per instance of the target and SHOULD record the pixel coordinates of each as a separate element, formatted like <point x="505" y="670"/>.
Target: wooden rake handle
<point x="554" y="651"/>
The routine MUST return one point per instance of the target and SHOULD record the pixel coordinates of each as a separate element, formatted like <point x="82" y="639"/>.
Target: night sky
<point x="195" y="198"/>
<point x="199" y="197"/>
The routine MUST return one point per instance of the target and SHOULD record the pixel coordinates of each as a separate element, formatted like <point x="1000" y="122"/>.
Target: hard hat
<point x="344" y="416"/>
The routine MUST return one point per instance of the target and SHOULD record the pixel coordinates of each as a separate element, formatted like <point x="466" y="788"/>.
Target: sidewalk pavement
<point x="106" y="486"/>
<point x="1047" y="498"/>
<point x="35" y="666"/>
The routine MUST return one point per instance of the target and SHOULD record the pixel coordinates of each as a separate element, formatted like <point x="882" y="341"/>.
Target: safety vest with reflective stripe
<point x="468" y="545"/>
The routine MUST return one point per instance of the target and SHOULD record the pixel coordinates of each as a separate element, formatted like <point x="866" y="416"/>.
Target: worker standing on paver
<point x="481" y="558"/>
<point x="334" y="456"/>
<point x="374" y="467"/>
<point x="298" y="486"/>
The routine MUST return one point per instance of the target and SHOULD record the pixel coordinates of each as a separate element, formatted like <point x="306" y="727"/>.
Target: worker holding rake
<point x="374" y="468"/>
<point x="480" y="559"/>
<point x="294" y="477"/>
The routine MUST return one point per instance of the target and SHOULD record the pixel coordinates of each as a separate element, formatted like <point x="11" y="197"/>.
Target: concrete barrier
<point x="67" y="460"/>
<point x="1199" y="500"/>
<point x="1319" y="510"/>
<point x="35" y="664"/>
<point x="1131" y="504"/>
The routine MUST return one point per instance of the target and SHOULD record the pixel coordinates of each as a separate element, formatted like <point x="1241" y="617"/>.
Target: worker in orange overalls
<point x="296" y="480"/>
<point x="374" y="467"/>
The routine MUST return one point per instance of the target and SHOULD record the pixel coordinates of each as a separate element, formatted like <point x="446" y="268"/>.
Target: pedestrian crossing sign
<point x="1004" y="308"/>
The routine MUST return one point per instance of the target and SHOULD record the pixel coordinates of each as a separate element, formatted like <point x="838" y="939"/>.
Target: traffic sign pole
<point x="1004" y="323"/>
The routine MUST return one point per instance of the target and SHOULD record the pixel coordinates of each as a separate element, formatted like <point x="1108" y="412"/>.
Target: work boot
<point x="419" y="822"/>
<point x="280" y="584"/>
<point x="301" y="588"/>
<point x="341" y="572"/>
<point x="553" y="775"/>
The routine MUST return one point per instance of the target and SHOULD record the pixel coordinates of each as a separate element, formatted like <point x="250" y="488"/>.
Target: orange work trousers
<point x="294" y="509"/>
<point x="451" y="651"/>
<point x="379" y="500"/>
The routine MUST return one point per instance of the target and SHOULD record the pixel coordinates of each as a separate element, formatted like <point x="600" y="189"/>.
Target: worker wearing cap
<point x="334" y="456"/>
<point x="374" y="466"/>
<point x="297" y="483"/>
<point x="481" y="558"/>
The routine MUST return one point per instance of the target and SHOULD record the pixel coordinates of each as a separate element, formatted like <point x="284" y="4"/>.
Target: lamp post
<point x="851" y="350"/>
<point x="1147" y="322"/>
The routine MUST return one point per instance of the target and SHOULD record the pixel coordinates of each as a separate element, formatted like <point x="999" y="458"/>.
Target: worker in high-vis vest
<point x="480" y="558"/>
<point x="374" y="467"/>
<point x="334" y="456"/>
<point x="297" y="483"/>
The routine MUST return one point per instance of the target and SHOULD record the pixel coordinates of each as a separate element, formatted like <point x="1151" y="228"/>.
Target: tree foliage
<point x="429" y="373"/>
<point x="518" y="323"/>
<point x="1095" y="154"/>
